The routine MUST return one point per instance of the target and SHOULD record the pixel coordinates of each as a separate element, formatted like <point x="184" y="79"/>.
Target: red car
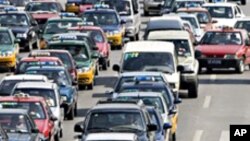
<point x="38" y="110"/>
<point x="37" y="61"/>
<point x="224" y="48"/>
<point x="101" y="41"/>
<point x="42" y="10"/>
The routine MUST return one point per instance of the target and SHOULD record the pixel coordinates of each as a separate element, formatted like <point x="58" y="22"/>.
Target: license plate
<point x="214" y="62"/>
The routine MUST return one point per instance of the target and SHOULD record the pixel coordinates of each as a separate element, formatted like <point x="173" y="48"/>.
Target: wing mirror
<point x="95" y="48"/>
<point x="79" y="127"/>
<point x="35" y="130"/>
<point x="180" y="68"/>
<point x="167" y="126"/>
<point x="53" y="118"/>
<point x="17" y="41"/>
<point x="123" y="21"/>
<point x="151" y="127"/>
<point x="116" y="67"/>
<point x="214" y="21"/>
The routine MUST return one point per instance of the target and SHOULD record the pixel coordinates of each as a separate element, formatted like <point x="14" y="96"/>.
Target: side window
<point x="235" y="11"/>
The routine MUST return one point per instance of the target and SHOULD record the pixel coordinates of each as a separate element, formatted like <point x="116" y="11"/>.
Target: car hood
<point x="218" y="49"/>
<point x="19" y="137"/>
<point x="5" y="48"/>
<point x="19" y="29"/>
<point x="110" y="28"/>
<point x="40" y="125"/>
<point x="224" y="22"/>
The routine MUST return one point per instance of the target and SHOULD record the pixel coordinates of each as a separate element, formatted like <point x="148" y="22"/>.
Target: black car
<point x="23" y="26"/>
<point x="3" y="135"/>
<point x="19" y="126"/>
<point x="118" y="116"/>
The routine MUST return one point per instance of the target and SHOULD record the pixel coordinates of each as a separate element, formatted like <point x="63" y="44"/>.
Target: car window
<point x="56" y="27"/>
<point x="24" y="65"/>
<point x="191" y="20"/>
<point x="104" y="19"/>
<point x="64" y="57"/>
<point x="5" y="39"/>
<point x="14" y="123"/>
<point x="220" y="12"/>
<point x="42" y="6"/>
<point x="243" y="25"/>
<point x="14" y="19"/>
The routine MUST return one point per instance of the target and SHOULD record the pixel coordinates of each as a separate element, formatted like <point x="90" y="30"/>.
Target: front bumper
<point x="218" y="63"/>
<point x="152" y="6"/>
<point x="9" y="61"/>
<point x="115" y="40"/>
<point x="85" y="78"/>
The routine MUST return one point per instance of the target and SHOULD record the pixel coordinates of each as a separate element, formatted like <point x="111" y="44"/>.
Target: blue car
<point x="62" y="78"/>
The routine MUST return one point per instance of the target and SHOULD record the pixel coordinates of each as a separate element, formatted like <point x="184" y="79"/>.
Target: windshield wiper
<point x="99" y="129"/>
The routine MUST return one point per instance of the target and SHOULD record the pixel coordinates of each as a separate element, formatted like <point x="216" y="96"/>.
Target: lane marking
<point x="207" y="102"/>
<point x="224" y="136"/>
<point x="213" y="77"/>
<point x="198" y="135"/>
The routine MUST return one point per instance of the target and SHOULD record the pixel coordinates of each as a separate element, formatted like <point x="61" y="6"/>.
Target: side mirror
<point x="177" y="101"/>
<point x="34" y="23"/>
<point x="79" y="127"/>
<point x="109" y="92"/>
<point x="74" y="83"/>
<point x="126" y="40"/>
<point x="35" y="130"/>
<point x="123" y="21"/>
<point x="195" y="43"/>
<point x="151" y="127"/>
<point x="136" y="11"/>
<point x="197" y="54"/>
<point x="214" y="21"/>
<point x="167" y="126"/>
<point x="17" y="41"/>
<point x="172" y="111"/>
<point x="53" y="118"/>
<point x="116" y="67"/>
<point x="180" y="68"/>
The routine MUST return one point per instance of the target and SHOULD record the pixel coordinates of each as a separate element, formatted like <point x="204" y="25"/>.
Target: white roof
<point x="149" y="46"/>
<point x="166" y="17"/>
<point x="110" y="136"/>
<point x="170" y="34"/>
<point x="219" y="4"/>
<point x="40" y="85"/>
<point x="140" y="94"/>
<point x="187" y="15"/>
<point x="26" y="77"/>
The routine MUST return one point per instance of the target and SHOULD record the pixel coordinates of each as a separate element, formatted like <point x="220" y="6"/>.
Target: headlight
<point x="8" y="53"/>
<point x="21" y="35"/>
<point x="230" y="56"/>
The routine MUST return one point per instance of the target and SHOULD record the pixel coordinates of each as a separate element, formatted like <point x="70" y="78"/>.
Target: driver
<point x="234" y="39"/>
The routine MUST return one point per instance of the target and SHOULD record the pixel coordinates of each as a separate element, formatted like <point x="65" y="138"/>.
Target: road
<point x="223" y="100"/>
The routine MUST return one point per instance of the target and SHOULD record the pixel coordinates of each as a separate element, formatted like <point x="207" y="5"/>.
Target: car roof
<point x="187" y="15"/>
<point x="41" y="85"/>
<point x="72" y="34"/>
<point x="191" y="9"/>
<point x="25" y="77"/>
<point x="13" y="12"/>
<point x="157" y="84"/>
<point x="191" y="0"/>
<point x="221" y="30"/>
<point x="166" y="17"/>
<point x="149" y="46"/>
<point x="115" y="106"/>
<point x="111" y="136"/>
<point x="218" y="4"/>
<point x="46" y="68"/>
<point x="140" y="94"/>
<point x="45" y="1"/>
<point x="23" y="99"/>
<point x="52" y="50"/>
<point x="133" y="74"/>
<point x="11" y="111"/>
<point x="49" y="58"/>
<point x="90" y="27"/>
<point x="170" y="34"/>
<point x="100" y="10"/>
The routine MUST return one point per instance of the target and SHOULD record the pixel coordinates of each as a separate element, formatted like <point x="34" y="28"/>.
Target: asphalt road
<point x="223" y="100"/>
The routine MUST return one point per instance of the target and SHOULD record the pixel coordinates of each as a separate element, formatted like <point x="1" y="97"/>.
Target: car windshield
<point x="42" y="6"/>
<point x="95" y="34"/>
<point x="35" y="109"/>
<point x="64" y="57"/>
<point x="25" y="65"/>
<point x="59" y="26"/>
<point x="103" y="19"/>
<point x="202" y="17"/>
<point x="5" y="38"/>
<point x="142" y="61"/>
<point x="120" y="121"/>
<point x="148" y="101"/>
<point x="13" y="19"/>
<point x="121" y="6"/>
<point x="226" y="38"/>
<point x="14" y="123"/>
<point x="48" y="94"/>
<point x="220" y="12"/>
<point x="184" y="4"/>
<point x="191" y="20"/>
<point x="7" y="86"/>
<point x="243" y="25"/>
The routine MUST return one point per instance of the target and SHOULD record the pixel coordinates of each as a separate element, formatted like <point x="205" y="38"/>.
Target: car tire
<point x="71" y="114"/>
<point x="241" y="67"/>
<point x="61" y="133"/>
<point x="174" y="137"/>
<point x="81" y="87"/>
<point x="243" y="2"/>
<point x="90" y="86"/>
<point x="146" y="13"/>
<point x="96" y="71"/>
<point x="57" y="137"/>
<point x="193" y="89"/>
<point x="37" y="44"/>
<point x="75" y="109"/>
<point x="105" y="65"/>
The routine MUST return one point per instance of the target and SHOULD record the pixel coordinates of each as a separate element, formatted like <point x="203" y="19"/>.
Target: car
<point x="118" y="116"/>
<point x="23" y="26"/>
<point x="11" y="120"/>
<point x="117" y="136"/>
<point x="152" y="6"/>
<point x="63" y="55"/>
<point x="103" y="17"/>
<point x="243" y="23"/>
<point x="189" y="28"/>
<point x="38" y="110"/>
<point x="3" y="134"/>
<point x="224" y="48"/>
<point x="189" y="3"/>
<point x="4" y="7"/>
<point x="156" y="100"/>
<point x="198" y="31"/>
<point x="68" y="91"/>
<point x="163" y="23"/>
<point x="9" y="47"/>
<point x="42" y="10"/>
<point x="86" y="61"/>
<point x="57" y="25"/>
<point x="79" y="6"/>
<point x="8" y="82"/>
<point x="101" y="41"/>
<point x="129" y="11"/>
<point x="225" y="14"/>
<point x="151" y="59"/>
<point x="27" y="62"/>
<point x="19" y="2"/>
<point x="202" y="14"/>
<point x="186" y="57"/>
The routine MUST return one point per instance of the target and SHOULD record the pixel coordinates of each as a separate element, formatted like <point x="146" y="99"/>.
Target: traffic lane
<point x="223" y="100"/>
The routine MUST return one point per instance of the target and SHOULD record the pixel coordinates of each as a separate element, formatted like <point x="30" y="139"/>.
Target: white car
<point x="151" y="56"/>
<point x="111" y="136"/>
<point x="243" y="23"/>
<point x="8" y="82"/>
<point x="50" y="92"/>
<point x="226" y="14"/>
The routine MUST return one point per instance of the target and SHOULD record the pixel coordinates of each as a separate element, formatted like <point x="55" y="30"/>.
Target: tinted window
<point x="59" y="27"/>
<point x="243" y="25"/>
<point x="107" y="18"/>
<point x="14" y="19"/>
<point x="5" y="39"/>
<point x="220" y="12"/>
<point x="24" y="65"/>
<point x="43" y="6"/>
<point x="64" y="57"/>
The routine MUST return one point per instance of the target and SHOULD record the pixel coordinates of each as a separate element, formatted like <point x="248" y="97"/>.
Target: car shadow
<point x="81" y="112"/>
<point x="100" y="95"/>
<point x="106" y="81"/>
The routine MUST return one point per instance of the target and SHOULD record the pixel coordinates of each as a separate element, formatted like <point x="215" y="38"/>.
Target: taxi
<point x="79" y="6"/>
<point x="101" y="41"/>
<point x="57" y="25"/>
<point x="38" y="110"/>
<point x="203" y="16"/>
<point x="86" y="62"/>
<point x="110" y="21"/>
<point x="9" y="49"/>
<point x="224" y="47"/>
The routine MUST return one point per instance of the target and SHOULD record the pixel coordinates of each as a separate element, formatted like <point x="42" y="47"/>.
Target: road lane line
<point x="224" y="136"/>
<point x="207" y="102"/>
<point x="198" y="135"/>
<point x="213" y="77"/>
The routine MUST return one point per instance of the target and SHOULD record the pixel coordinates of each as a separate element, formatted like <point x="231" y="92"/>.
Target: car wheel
<point x="37" y="44"/>
<point x="193" y="90"/>
<point x="96" y="71"/>
<point x="56" y="137"/>
<point x="105" y="65"/>
<point x="108" y="63"/>
<point x="75" y="108"/>
<point x="174" y="137"/>
<point x="81" y="87"/>
<point x="243" y="2"/>
<point x="90" y="86"/>
<point x="137" y="37"/>
<point x="71" y="114"/>
<point x="146" y="13"/>
<point x="241" y="67"/>
<point x="61" y="133"/>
